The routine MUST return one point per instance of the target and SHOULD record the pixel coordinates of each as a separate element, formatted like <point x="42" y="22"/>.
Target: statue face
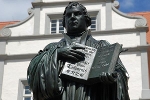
<point x="74" y="20"/>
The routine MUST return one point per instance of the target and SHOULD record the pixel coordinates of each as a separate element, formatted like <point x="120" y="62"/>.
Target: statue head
<point x="76" y="18"/>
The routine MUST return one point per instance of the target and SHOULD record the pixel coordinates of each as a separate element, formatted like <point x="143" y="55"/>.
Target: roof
<point x="3" y="24"/>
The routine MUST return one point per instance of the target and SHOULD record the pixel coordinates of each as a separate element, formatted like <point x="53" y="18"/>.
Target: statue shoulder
<point x="96" y="43"/>
<point x="103" y="43"/>
<point x="53" y="45"/>
<point x="50" y="46"/>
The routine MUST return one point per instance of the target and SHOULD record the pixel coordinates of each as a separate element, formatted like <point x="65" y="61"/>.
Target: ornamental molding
<point x="31" y="11"/>
<point x="38" y="0"/>
<point x="140" y="22"/>
<point x="59" y="35"/>
<point x="116" y="4"/>
<point x="5" y="32"/>
<point x="131" y="50"/>
<point x="40" y="3"/>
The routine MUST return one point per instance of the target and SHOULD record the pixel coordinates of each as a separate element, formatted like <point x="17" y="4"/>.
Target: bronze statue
<point x="44" y="70"/>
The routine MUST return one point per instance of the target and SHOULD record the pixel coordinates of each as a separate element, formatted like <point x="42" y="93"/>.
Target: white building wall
<point x="127" y="39"/>
<point x="120" y="22"/>
<point x="25" y="28"/>
<point x="27" y="46"/>
<point x="13" y="71"/>
<point x="132" y="63"/>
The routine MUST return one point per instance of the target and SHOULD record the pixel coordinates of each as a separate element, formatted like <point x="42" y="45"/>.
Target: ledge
<point x="59" y="35"/>
<point x="14" y="57"/>
<point x="120" y="31"/>
<point x="30" y="56"/>
<point x="141" y="48"/>
<point x="54" y="3"/>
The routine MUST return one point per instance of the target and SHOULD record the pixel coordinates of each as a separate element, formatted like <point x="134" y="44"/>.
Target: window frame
<point x="58" y="23"/>
<point x="93" y="29"/>
<point x="21" y="90"/>
<point x="58" y="15"/>
<point x="26" y="95"/>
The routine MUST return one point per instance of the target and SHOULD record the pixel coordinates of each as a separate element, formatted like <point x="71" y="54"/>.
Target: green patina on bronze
<point x="45" y="68"/>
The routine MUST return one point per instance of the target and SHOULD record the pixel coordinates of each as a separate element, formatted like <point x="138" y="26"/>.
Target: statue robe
<point x="45" y="83"/>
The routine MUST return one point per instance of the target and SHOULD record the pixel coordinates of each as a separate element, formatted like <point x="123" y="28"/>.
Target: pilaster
<point x="2" y="51"/>
<point x="108" y="15"/>
<point x="37" y="21"/>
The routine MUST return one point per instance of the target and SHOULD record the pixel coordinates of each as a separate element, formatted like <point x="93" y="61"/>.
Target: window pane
<point x="53" y="25"/>
<point x="53" y="21"/>
<point x="61" y="28"/>
<point x="53" y="29"/>
<point x="27" y="90"/>
<point x="93" y="18"/>
<point x="93" y="26"/>
<point x="60" y="23"/>
<point x="93" y="22"/>
<point x="60" y="20"/>
<point x="27" y="98"/>
<point x="27" y="87"/>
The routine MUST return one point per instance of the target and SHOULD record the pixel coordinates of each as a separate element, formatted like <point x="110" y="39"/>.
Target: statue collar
<point x="83" y="37"/>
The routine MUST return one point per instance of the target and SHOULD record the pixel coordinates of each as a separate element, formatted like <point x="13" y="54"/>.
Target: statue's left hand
<point x="108" y="78"/>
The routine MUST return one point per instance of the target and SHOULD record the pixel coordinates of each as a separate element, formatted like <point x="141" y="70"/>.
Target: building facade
<point x="20" y="42"/>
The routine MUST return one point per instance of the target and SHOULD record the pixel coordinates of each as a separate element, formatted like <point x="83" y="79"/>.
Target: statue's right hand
<point x="71" y="53"/>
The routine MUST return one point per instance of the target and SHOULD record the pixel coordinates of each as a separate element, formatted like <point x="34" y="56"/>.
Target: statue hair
<point x="86" y="15"/>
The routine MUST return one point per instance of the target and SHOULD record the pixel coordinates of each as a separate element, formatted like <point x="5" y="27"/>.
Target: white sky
<point x="14" y="10"/>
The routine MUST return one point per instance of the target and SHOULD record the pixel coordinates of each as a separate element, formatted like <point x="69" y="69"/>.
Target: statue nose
<point x="72" y="15"/>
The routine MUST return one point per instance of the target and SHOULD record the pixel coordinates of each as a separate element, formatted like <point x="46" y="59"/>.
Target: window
<point x="93" y="24"/>
<point x="24" y="92"/>
<point x="27" y="95"/>
<point x="56" y="26"/>
<point x="53" y="26"/>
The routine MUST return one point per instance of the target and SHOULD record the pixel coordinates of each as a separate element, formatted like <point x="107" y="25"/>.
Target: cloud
<point x="14" y="10"/>
<point x="129" y="6"/>
<point x="127" y="3"/>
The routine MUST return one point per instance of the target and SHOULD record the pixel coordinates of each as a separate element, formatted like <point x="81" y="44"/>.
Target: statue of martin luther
<point x="44" y="69"/>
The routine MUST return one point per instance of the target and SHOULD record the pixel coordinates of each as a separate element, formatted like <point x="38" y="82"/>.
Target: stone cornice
<point x="18" y="56"/>
<point x="39" y="3"/>
<point x="59" y="35"/>
<point x="30" y="56"/>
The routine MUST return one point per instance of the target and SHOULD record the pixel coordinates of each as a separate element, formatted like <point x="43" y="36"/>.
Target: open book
<point x="96" y="62"/>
